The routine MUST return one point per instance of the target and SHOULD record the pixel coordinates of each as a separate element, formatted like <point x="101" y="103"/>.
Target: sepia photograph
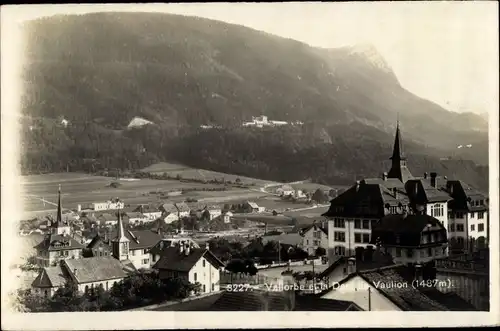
<point x="250" y="159"/>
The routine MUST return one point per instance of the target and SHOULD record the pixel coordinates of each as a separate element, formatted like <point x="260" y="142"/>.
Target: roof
<point x="169" y="208"/>
<point x="57" y="242"/>
<point x="108" y="217"/>
<point x="172" y="259"/>
<point x="316" y="227"/>
<point x="134" y="215"/>
<point x="407" y="227"/>
<point x="378" y="261"/>
<point x="409" y="298"/>
<point x="252" y="204"/>
<point x="287" y="187"/>
<point x="98" y="241"/>
<point x="170" y="242"/>
<point x="50" y="277"/>
<point x="95" y="269"/>
<point x="263" y="300"/>
<point x="140" y="239"/>
<point x="214" y="207"/>
<point x="182" y="207"/>
<point x="147" y="208"/>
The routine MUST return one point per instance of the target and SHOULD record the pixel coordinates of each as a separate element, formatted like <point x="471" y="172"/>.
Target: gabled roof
<point x="408" y="298"/>
<point x="51" y="243"/>
<point x="98" y="241"/>
<point x="172" y="259"/>
<point x="50" y="277"/>
<point x="95" y="269"/>
<point x="140" y="239"/>
<point x="252" y="204"/>
<point x="378" y="261"/>
<point x="315" y="227"/>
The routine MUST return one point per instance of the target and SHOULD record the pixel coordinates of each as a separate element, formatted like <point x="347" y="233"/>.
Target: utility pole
<point x="369" y="298"/>
<point x="279" y="251"/>
<point x="314" y="279"/>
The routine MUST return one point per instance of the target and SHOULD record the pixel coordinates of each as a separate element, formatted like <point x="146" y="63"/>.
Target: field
<point x="79" y="188"/>
<point x="173" y="170"/>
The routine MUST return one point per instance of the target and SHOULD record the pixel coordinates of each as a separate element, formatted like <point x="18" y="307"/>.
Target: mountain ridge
<point x="183" y="72"/>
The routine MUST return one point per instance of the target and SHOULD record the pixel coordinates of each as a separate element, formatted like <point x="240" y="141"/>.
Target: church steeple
<point x="59" y="226"/>
<point x="59" y="209"/>
<point x="399" y="169"/>
<point x="120" y="244"/>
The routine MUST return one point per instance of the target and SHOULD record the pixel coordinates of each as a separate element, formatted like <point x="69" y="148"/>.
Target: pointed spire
<point x="59" y="209"/>
<point x="397" y="152"/>
<point x="120" y="235"/>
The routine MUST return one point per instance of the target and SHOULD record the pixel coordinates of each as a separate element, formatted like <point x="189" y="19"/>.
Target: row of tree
<point x="137" y="290"/>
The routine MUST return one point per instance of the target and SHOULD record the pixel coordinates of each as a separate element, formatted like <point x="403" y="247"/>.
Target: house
<point x="149" y="211"/>
<point x="170" y="217"/>
<point x="157" y="250"/>
<point x="196" y="265"/>
<point x="98" y="247"/>
<point x="182" y="209"/>
<point x="314" y="236"/>
<point x="226" y="216"/>
<point x="85" y="273"/>
<point x="390" y="289"/>
<point x="353" y="212"/>
<point x="58" y="244"/>
<point x="252" y="207"/>
<point x="299" y="194"/>
<point x="135" y="245"/>
<point x="214" y="211"/>
<point x="416" y="239"/>
<point x="287" y="239"/>
<point x="168" y="208"/>
<point x="107" y="219"/>
<point x="107" y="205"/>
<point x="136" y="218"/>
<point x="285" y="190"/>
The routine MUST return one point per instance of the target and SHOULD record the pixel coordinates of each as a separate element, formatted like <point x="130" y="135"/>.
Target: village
<point x="326" y="248"/>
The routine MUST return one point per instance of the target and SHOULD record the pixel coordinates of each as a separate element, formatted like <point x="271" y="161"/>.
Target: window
<point x="154" y="258"/>
<point x="480" y="227"/>
<point x="422" y="253"/>
<point x="398" y="252"/>
<point x="46" y="293"/>
<point x="472" y="227"/>
<point x="460" y="228"/>
<point x="339" y="236"/>
<point x="86" y="289"/>
<point x="203" y="263"/>
<point x="204" y="288"/>
<point x="472" y="214"/>
<point x="213" y="287"/>
<point x="145" y="261"/>
<point x="409" y="253"/>
<point x="393" y="210"/>
<point x="339" y="223"/>
<point x="437" y="210"/>
<point x="481" y="202"/>
<point x="480" y="215"/>
<point x="429" y="252"/>
<point x="357" y="224"/>
<point x="107" y="286"/>
<point x="317" y="234"/>
<point x="339" y="250"/>
<point x="132" y="253"/>
<point x="195" y="277"/>
<point x="307" y="241"/>
<point x="452" y="227"/>
<point x="145" y="251"/>
<point x="366" y="238"/>
<point x="374" y="222"/>
<point x="460" y="214"/>
<point x="357" y="237"/>
<point x="366" y="224"/>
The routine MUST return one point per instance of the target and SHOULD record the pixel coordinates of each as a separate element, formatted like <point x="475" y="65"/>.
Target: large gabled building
<point x="462" y="210"/>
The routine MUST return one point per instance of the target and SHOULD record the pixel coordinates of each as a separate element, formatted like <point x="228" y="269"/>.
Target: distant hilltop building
<point x="137" y="122"/>
<point x="262" y="121"/>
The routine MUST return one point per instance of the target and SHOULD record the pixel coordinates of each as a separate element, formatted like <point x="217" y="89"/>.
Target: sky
<point x="446" y="52"/>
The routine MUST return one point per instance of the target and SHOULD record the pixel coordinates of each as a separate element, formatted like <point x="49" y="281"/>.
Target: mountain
<point x="182" y="72"/>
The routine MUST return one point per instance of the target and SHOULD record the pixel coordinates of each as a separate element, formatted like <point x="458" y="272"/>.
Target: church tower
<point x="120" y="244"/>
<point x="399" y="169"/>
<point x="60" y="227"/>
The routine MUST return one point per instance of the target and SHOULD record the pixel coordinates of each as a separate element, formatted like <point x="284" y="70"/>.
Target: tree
<point x="320" y="251"/>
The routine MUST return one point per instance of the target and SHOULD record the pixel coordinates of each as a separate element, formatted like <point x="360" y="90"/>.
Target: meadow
<point x="173" y="169"/>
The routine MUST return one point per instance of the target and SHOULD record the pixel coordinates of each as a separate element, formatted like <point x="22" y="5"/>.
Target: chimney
<point x="289" y="289"/>
<point x="384" y="176"/>
<point x="187" y="249"/>
<point x="425" y="175"/>
<point x="433" y="179"/>
<point x="351" y="265"/>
